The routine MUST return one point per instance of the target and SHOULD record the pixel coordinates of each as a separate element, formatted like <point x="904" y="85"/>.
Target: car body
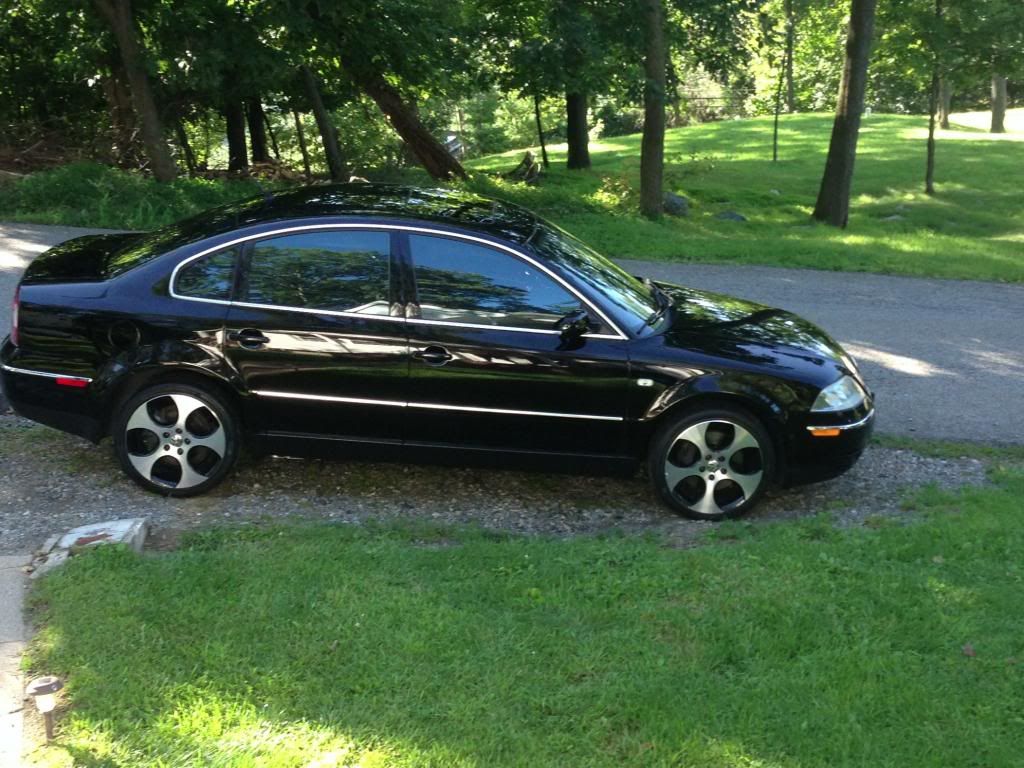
<point x="374" y="319"/>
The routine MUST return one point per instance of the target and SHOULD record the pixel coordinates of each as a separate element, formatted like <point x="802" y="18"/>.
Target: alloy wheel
<point x="714" y="466"/>
<point x="175" y="440"/>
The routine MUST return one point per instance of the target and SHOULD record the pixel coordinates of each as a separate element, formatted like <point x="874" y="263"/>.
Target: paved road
<point x="945" y="357"/>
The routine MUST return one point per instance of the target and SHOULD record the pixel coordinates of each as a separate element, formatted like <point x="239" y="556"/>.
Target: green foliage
<point x="93" y="195"/>
<point x="795" y="645"/>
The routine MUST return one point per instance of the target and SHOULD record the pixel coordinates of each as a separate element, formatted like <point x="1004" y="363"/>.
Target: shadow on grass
<point x="797" y="646"/>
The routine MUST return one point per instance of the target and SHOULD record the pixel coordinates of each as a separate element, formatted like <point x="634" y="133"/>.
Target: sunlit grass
<point x="969" y="229"/>
<point x="793" y="645"/>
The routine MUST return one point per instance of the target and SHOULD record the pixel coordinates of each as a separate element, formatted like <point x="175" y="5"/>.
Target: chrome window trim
<point x="429" y="406"/>
<point x="618" y="334"/>
<point x="46" y="374"/>
<point x="843" y="427"/>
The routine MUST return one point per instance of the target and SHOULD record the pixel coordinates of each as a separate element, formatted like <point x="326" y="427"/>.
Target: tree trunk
<point x="933" y="107"/>
<point x="257" y="131"/>
<point x="122" y="115"/>
<point x="833" y="204"/>
<point x="790" y="43"/>
<point x="300" y="134"/>
<point x="186" y="148"/>
<point x="432" y="155"/>
<point x="945" y="102"/>
<point x="273" y="137"/>
<point x="652" y="146"/>
<point x="540" y="130"/>
<point x="998" y="104"/>
<point x="118" y="14"/>
<point x="234" y="118"/>
<point x="335" y="162"/>
<point x="576" y="128"/>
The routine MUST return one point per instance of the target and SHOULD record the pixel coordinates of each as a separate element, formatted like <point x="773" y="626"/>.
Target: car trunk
<point x="83" y="259"/>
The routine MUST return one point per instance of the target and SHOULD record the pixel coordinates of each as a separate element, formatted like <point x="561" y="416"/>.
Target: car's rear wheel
<point x="712" y="464"/>
<point x="176" y="439"/>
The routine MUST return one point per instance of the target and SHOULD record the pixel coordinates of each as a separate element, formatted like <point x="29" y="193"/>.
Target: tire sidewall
<point x="221" y="409"/>
<point x="664" y="439"/>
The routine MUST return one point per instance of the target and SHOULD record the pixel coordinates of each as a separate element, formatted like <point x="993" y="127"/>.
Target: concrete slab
<point x="12" y="644"/>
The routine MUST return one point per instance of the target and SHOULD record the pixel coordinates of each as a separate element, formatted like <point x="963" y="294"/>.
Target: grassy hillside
<point x="972" y="228"/>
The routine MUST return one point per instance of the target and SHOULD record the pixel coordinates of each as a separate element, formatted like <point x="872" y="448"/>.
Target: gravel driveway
<point x="53" y="482"/>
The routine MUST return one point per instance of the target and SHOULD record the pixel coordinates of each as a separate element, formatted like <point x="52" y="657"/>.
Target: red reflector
<point x="77" y="383"/>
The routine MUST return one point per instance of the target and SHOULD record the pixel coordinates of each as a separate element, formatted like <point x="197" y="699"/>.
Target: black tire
<point x="735" y="485"/>
<point x="184" y="425"/>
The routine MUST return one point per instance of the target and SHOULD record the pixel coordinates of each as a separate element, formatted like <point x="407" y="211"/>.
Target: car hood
<point x="718" y="324"/>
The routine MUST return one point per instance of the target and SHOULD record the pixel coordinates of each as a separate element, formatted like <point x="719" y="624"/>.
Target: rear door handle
<point x="250" y="338"/>
<point x="433" y="355"/>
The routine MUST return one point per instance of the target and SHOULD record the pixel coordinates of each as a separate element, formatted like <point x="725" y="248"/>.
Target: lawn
<point x="973" y="228"/>
<point x="793" y="645"/>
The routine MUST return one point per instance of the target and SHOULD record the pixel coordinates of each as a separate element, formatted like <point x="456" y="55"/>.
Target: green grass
<point x="93" y="195"/>
<point x="787" y="646"/>
<point x="973" y="228"/>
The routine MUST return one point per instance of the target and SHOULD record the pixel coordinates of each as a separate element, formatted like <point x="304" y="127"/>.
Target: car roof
<point x="457" y="208"/>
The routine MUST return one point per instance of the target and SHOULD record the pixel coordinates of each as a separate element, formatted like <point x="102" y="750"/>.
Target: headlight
<point x="841" y="396"/>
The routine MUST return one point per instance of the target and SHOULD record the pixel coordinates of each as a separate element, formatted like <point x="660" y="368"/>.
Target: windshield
<point x="619" y="287"/>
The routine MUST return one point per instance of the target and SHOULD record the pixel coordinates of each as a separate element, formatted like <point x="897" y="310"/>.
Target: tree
<point x="328" y="134"/>
<point x="833" y="203"/>
<point x="118" y="15"/>
<point x="998" y="103"/>
<point x="652" y="146"/>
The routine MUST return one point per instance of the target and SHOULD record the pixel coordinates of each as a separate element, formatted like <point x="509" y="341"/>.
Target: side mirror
<point x="573" y="325"/>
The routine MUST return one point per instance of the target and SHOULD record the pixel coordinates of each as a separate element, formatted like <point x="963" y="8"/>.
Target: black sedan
<point x="373" y="319"/>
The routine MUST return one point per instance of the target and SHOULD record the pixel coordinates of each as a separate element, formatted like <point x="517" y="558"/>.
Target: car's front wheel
<point x="711" y="464"/>
<point x="176" y="439"/>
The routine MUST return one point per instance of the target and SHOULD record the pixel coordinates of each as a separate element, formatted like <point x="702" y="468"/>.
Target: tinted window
<point x="603" y="276"/>
<point x="462" y="282"/>
<point x="209" y="277"/>
<point x="336" y="271"/>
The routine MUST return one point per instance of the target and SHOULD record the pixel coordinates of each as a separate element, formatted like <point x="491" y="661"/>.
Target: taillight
<point x="14" y="316"/>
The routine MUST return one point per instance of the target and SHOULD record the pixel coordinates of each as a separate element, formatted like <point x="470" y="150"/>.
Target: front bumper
<point x="828" y="446"/>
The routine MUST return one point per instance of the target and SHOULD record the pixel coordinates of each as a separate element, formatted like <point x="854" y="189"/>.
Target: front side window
<point x="335" y="271"/>
<point x="458" y="281"/>
<point x="208" y="277"/>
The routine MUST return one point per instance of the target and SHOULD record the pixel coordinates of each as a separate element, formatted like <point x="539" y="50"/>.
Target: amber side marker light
<point x="825" y="432"/>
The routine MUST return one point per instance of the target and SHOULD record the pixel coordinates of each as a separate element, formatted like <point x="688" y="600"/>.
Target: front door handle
<point x="250" y="338"/>
<point x="433" y="355"/>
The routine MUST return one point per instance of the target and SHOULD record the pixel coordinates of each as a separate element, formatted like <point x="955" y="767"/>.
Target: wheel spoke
<point x="189" y="476"/>
<point x="749" y="483"/>
<point x="697" y="434"/>
<point x="741" y="440"/>
<point x="675" y="475"/>
<point x="215" y="441"/>
<point x="707" y="504"/>
<point x="144" y="464"/>
<point x="142" y="420"/>
<point x="185" y="406"/>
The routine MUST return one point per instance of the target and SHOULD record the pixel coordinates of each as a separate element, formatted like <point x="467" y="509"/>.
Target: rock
<point x="131" y="531"/>
<point x="676" y="205"/>
<point x="894" y="217"/>
<point x="57" y="549"/>
<point x="774" y="192"/>
<point x="730" y="216"/>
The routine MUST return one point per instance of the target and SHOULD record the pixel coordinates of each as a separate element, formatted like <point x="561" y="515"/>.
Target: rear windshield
<point x="149" y="245"/>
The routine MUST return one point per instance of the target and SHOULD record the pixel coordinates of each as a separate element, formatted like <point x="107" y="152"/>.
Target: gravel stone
<point x="53" y="482"/>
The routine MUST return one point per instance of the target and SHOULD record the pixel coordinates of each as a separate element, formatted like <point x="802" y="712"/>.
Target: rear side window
<point x="457" y="281"/>
<point x="343" y="271"/>
<point x="209" y="277"/>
